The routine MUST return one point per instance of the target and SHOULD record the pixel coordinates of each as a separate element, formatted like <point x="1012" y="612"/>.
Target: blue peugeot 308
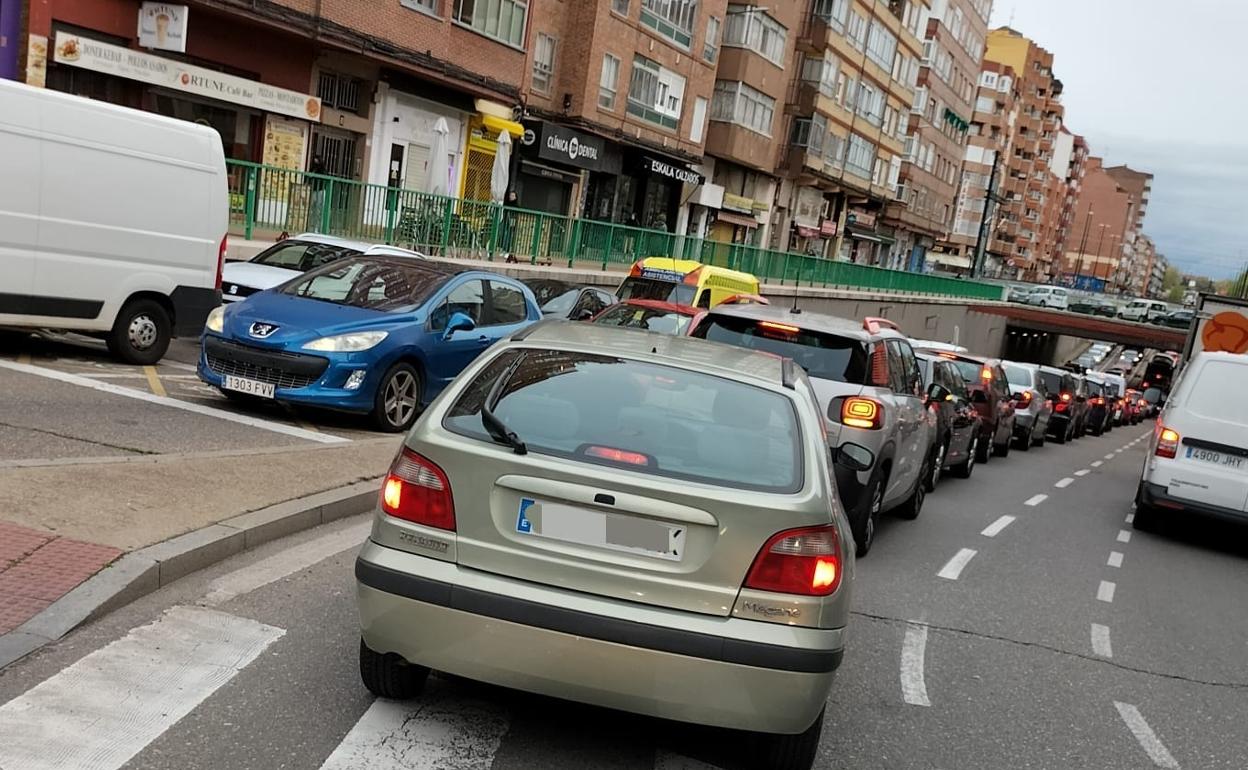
<point x="381" y="335"/>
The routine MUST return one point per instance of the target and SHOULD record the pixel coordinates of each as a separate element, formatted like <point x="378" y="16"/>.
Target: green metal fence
<point x="265" y="201"/>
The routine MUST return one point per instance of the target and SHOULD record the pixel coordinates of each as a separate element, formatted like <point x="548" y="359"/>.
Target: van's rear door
<point x="1212" y="462"/>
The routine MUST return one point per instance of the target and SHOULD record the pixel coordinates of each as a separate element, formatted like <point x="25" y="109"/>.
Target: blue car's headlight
<point x="347" y="343"/>
<point x="216" y="319"/>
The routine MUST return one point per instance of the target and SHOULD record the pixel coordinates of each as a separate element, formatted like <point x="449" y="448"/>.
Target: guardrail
<point x="271" y="200"/>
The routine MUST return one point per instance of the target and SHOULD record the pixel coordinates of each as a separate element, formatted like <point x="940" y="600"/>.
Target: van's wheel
<point x="389" y="676"/>
<point x="791" y="752"/>
<point x="141" y="333"/>
<point x="1025" y="441"/>
<point x="868" y="516"/>
<point x="397" y="402"/>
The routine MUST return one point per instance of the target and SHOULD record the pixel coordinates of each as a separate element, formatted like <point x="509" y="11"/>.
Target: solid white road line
<point x="187" y="406"/>
<point x="1063" y="483"/>
<point x="1144" y="734"/>
<point x="1036" y="500"/>
<point x="1097" y="463"/>
<point x="1100" y="641"/>
<point x="1083" y="472"/>
<point x="104" y="709"/>
<point x="913" y="655"/>
<point x="1115" y="559"/>
<point x="438" y="733"/>
<point x="666" y="760"/>
<point x="1105" y="591"/>
<point x="954" y="567"/>
<point x="1124" y="536"/>
<point x="1130" y="518"/>
<point x="283" y="563"/>
<point x="994" y="529"/>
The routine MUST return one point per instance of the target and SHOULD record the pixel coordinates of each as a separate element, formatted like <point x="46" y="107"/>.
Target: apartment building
<point x="856" y="75"/>
<point x="1107" y="248"/>
<point x="617" y="97"/>
<point x="981" y="233"/>
<point x="1070" y="152"/>
<point x="939" y="122"/>
<point x="1033" y="193"/>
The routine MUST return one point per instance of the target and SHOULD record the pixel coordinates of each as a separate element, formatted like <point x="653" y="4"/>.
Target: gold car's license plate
<point x="1229" y="461"/>
<point x="617" y="532"/>
<point x="250" y="387"/>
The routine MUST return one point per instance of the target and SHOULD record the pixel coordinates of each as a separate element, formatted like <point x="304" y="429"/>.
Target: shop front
<point x="89" y="50"/>
<point x="484" y="130"/>
<point x="565" y="171"/>
<point x="405" y="128"/>
<point x="811" y="229"/>
<point x="736" y="221"/>
<point x="867" y="242"/>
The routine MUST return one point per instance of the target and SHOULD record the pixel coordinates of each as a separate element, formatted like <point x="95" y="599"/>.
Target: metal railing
<point x="266" y="201"/>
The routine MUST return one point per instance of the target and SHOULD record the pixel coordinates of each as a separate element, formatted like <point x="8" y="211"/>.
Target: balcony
<point x="810" y="99"/>
<point x="740" y="145"/>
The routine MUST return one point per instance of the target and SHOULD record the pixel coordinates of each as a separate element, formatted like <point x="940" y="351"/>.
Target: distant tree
<point x="1175" y="293"/>
<point x="1172" y="279"/>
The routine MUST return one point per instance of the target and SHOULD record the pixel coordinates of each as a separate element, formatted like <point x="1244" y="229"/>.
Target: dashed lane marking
<point x="106" y="708"/>
<point x="1130" y="518"/>
<point x="1063" y="483"/>
<point x="1115" y="559"/>
<point x="1148" y="740"/>
<point x="1109" y="456"/>
<point x="1035" y="500"/>
<point x="1098" y="463"/>
<point x="1100" y="641"/>
<point x="1105" y="591"/>
<point x="1083" y="472"/>
<point x="994" y="529"/>
<point x="913" y="660"/>
<point x="186" y="406"/>
<point x="954" y="567"/>
<point x="1124" y="536"/>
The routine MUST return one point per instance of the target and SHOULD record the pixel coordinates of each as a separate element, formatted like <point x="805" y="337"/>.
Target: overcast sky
<point x="1155" y="85"/>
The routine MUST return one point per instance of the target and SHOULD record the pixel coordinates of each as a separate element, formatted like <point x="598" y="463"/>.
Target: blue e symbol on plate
<point x="522" y="522"/>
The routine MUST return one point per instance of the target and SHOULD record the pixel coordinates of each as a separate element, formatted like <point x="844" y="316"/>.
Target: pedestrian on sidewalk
<point x="508" y="233"/>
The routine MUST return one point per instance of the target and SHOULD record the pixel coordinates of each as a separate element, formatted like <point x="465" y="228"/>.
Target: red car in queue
<point x="990" y="394"/>
<point x="660" y="316"/>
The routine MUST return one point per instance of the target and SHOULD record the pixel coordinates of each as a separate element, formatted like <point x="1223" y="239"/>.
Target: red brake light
<point x="617" y="455"/>
<point x="806" y="562"/>
<point x="779" y="327"/>
<point x="416" y="490"/>
<point x="1167" y="443"/>
<point x="221" y="260"/>
<point x="879" y="366"/>
<point x="862" y="413"/>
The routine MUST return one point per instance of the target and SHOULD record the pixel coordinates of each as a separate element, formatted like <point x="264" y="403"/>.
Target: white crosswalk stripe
<point x="99" y="712"/>
<point x="438" y="732"/>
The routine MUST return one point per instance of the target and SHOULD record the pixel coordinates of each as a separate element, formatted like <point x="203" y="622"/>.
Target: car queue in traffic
<point x="595" y="478"/>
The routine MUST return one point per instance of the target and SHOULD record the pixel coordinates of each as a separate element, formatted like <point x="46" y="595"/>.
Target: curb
<point x="141" y="572"/>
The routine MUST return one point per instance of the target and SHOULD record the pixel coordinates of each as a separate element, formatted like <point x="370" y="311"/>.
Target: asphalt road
<point x="65" y="397"/>
<point x="1036" y="653"/>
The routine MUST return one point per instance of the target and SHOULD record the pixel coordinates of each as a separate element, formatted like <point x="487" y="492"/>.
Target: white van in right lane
<point x="1198" y="459"/>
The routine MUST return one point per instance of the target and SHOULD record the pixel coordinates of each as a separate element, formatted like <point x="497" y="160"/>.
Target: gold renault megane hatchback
<point x="621" y="518"/>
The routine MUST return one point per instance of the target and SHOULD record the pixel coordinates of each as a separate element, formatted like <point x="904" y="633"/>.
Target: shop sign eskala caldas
<point x="78" y="51"/>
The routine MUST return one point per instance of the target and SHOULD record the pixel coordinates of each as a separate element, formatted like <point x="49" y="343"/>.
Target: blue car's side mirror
<point x="458" y="322"/>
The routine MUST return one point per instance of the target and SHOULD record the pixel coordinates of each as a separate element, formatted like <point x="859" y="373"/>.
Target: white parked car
<point x="947" y="347"/>
<point x="1198" y="458"/>
<point x="1049" y="296"/>
<point x="286" y="259"/>
<point x="1143" y="310"/>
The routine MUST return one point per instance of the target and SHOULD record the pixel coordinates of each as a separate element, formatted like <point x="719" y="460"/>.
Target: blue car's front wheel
<point x="397" y="402"/>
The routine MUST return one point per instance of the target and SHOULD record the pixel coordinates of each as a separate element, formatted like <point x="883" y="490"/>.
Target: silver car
<point x="1032" y="406"/>
<point x="870" y="391"/>
<point x="627" y="519"/>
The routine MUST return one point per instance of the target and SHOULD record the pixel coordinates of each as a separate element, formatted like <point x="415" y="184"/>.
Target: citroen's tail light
<point x="806" y="562"/>
<point x="417" y="490"/>
<point x="862" y="413"/>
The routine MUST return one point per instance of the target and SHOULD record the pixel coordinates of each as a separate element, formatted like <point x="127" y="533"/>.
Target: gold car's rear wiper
<point x="497" y="429"/>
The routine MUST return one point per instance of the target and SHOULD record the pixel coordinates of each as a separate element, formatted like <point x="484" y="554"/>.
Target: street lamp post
<point x="1083" y="244"/>
<point x="1096" y="266"/>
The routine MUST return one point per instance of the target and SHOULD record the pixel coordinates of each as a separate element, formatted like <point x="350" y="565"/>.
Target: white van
<point x="1198" y="458"/>
<point x="1049" y="296"/>
<point x="112" y="220"/>
<point x="1143" y="310"/>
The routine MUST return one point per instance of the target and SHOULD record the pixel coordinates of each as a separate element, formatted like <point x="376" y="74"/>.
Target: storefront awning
<point x="873" y="237"/>
<point x="736" y="219"/>
<point x="499" y="125"/>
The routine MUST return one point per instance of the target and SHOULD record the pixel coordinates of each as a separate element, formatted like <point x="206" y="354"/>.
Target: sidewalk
<point x="63" y="521"/>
